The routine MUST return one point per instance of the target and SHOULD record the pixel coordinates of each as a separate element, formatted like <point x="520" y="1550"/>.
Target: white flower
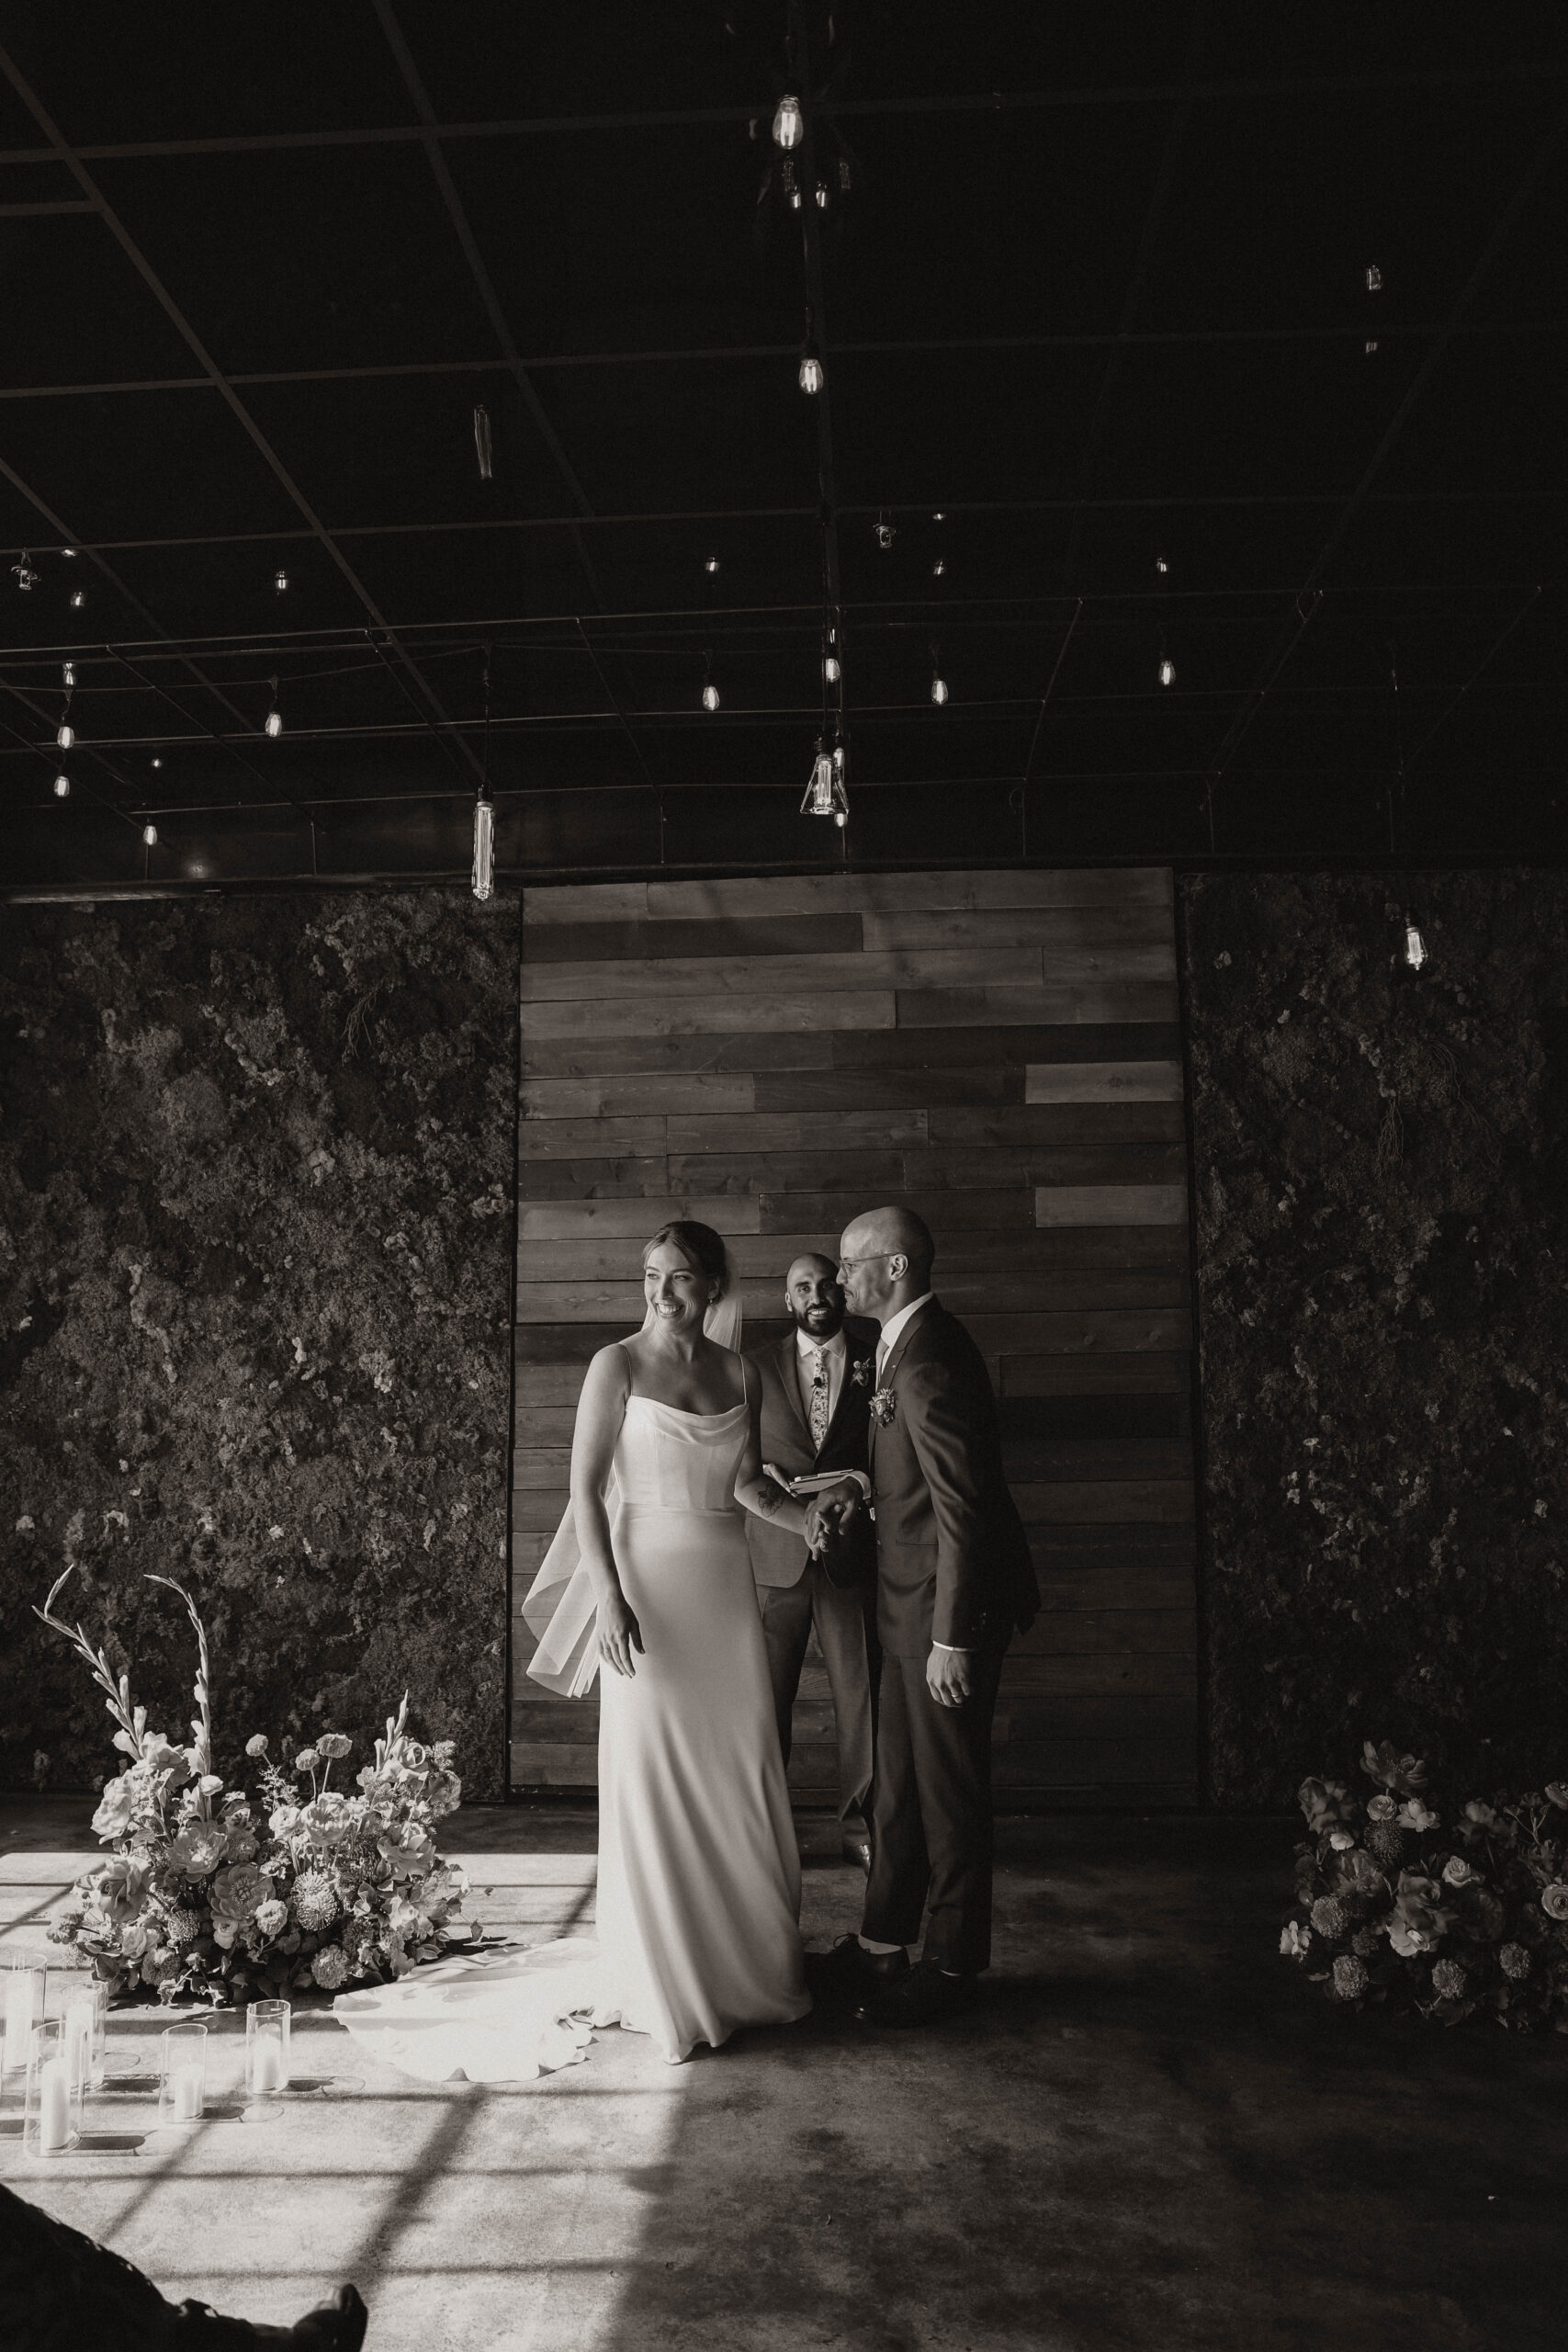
<point x="1414" y="1815"/>
<point x="1341" y="1841"/>
<point x="1294" y="1940"/>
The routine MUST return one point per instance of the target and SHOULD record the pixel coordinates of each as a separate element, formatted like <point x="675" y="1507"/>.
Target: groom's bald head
<point x="885" y="1261"/>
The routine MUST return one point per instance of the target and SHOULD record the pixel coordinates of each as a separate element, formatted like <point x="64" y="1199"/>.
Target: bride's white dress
<point x="699" y="1872"/>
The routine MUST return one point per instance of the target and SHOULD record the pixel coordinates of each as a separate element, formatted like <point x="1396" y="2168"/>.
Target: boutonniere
<point x="882" y="1404"/>
<point x="860" y="1372"/>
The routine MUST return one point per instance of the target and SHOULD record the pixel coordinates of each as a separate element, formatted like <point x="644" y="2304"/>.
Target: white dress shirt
<point x="835" y="1364"/>
<point x="892" y="1330"/>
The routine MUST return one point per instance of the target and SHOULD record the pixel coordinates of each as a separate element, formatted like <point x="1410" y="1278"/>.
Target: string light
<point x="1415" y="947"/>
<point x="939" y="516"/>
<point x="68" y="553"/>
<point x="1166" y="671"/>
<point x="939" y="685"/>
<point x="280" y="580"/>
<point x="831" y="673"/>
<point x="711" y="566"/>
<point x="789" y="123"/>
<point x="272" y="723"/>
<point x="68" y="673"/>
<point x="77" y="600"/>
<point x="885" y="531"/>
<point x="65" y="735"/>
<point x="155" y="760"/>
<point x="63" y="785"/>
<point x="812" y="374"/>
<point x="482" y="450"/>
<point x="150" y="836"/>
<point x="825" y="795"/>
<point x="710" y="696"/>
<point x="1374" y="278"/>
<point x="1160" y="564"/>
<point x="27" y="577"/>
<point x="484" y="846"/>
<point x="939" y="567"/>
<point x="821" y="197"/>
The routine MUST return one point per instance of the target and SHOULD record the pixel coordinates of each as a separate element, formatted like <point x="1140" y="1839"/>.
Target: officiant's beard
<point x="821" y="1320"/>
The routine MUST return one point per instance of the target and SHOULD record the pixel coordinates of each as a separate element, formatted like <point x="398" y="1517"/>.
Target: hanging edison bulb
<point x="273" y="722"/>
<point x="821" y="196"/>
<point x="77" y="600"/>
<point x="710" y="696"/>
<point x="150" y="836"/>
<point x="832" y="671"/>
<point x="812" y="374"/>
<point x="939" y="567"/>
<point x="68" y="673"/>
<point x="885" y="531"/>
<point x="280" y="580"/>
<point x="484" y="846"/>
<point x="789" y="123"/>
<point x="939" y="684"/>
<point x="63" y="785"/>
<point x="1415" y="947"/>
<point x="1166" y="671"/>
<point x="711" y="566"/>
<point x="65" y="735"/>
<point x="818" y="800"/>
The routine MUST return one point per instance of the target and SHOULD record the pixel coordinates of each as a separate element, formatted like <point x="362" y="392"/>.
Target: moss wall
<point x="255" y="1240"/>
<point x="1381" y="1201"/>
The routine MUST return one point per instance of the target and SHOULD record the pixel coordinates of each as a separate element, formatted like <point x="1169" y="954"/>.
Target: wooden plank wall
<point x="1000" y="1051"/>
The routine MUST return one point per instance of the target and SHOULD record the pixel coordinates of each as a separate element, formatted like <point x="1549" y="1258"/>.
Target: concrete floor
<point x="1147" y="2136"/>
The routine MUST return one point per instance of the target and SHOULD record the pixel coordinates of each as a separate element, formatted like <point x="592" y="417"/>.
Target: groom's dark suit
<point x="954" y="1566"/>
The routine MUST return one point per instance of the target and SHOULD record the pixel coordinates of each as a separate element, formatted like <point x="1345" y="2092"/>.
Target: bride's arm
<point x="754" y="1489"/>
<point x="601" y="1409"/>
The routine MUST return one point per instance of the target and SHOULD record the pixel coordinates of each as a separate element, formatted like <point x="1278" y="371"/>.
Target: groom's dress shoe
<point x="925" y="1995"/>
<point x="849" y="1975"/>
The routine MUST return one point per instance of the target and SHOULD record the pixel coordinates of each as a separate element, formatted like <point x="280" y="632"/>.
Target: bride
<point x="649" y="1577"/>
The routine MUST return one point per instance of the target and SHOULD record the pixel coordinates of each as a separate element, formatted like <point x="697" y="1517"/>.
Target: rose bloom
<point x="1381" y="1807"/>
<point x="121" y="1887"/>
<point x="238" y="1893"/>
<point x="1457" y="1871"/>
<point x="1555" y="1900"/>
<point x="1341" y="1841"/>
<point x="1481" y="1814"/>
<point x="116" y="1807"/>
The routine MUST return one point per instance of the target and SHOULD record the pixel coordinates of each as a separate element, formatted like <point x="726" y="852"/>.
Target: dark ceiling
<point x="1097" y="334"/>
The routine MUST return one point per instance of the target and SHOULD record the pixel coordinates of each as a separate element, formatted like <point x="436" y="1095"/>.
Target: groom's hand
<point x="949" y="1675"/>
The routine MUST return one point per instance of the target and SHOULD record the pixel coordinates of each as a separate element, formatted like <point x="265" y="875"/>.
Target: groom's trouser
<point x="848" y="1643"/>
<point x="932" y="1824"/>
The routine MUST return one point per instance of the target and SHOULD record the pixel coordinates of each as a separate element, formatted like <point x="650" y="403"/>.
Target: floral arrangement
<point x="208" y="1893"/>
<point x="1395" y="1905"/>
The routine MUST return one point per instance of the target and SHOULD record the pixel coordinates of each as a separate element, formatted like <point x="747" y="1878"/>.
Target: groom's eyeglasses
<point x="876" y="1258"/>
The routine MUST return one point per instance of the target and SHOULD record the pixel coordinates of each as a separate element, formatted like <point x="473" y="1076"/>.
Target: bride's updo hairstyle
<point x="701" y="1244"/>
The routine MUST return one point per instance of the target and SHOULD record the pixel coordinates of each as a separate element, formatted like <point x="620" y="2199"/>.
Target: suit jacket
<point x="777" y="1556"/>
<point x="953" y="1561"/>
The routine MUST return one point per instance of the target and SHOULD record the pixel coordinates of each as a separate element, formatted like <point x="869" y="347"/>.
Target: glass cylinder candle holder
<point x="84" y="2013"/>
<point x="22" y="1991"/>
<point x="51" y="2123"/>
<point x="181" y="2075"/>
<point x="266" y="2059"/>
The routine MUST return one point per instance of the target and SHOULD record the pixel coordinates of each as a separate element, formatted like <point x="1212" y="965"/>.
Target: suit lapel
<point x="900" y="1348"/>
<point x="788" y="1357"/>
<point x="846" y="1388"/>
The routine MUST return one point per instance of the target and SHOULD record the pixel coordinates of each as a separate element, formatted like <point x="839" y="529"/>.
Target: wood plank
<point x="545" y="1425"/>
<point x="895" y="893"/>
<point x="1057" y="1123"/>
<point x="1094" y="1289"/>
<point x="651" y="1095"/>
<point x="583" y="902"/>
<point x="1125" y="1715"/>
<point x="567" y="1138"/>
<point x="1107" y="1633"/>
<point x="1081" y="1549"/>
<point x="592" y="943"/>
<point x="913" y="1047"/>
<point x="621" y="1304"/>
<point x="1047" y="1166"/>
<point x="879" y="1175"/>
<point x="539" y="1509"/>
<point x="1038" y="1006"/>
<point x="1066" y="1763"/>
<point x="1063" y="929"/>
<point x="945" y="1212"/>
<point x="1025" y="1420"/>
<point x="1108" y="1588"/>
<point x="543" y="1383"/>
<point x="564" y="1220"/>
<point x="1094" y="1676"/>
<point x="1063" y="1502"/>
<point x="1113" y="1332"/>
<point x="600" y="1259"/>
<point x="541" y="1466"/>
<point x="655" y="1015"/>
<point x="1111" y="1205"/>
<point x="573" y="1722"/>
<point x="1025" y="1374"/>
<point x="865" y="1090"/>
<point x="1043" y="1458"/>
<point x="592" y="1179"/>
<point x="784" y="976"/>
<point x="568" y="1345"/>
<point x="1109" y="966"/>
<point x="601" y="1056"/>
<point x="794" y="1131"/>
<point x="1158" y="1081"/>
<point x="540" y="1764"/>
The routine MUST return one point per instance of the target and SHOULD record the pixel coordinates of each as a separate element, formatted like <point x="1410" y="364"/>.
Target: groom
<point x="954" y="1578"/>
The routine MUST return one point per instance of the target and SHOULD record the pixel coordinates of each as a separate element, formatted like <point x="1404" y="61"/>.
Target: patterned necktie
<point x="819" y="1400"/>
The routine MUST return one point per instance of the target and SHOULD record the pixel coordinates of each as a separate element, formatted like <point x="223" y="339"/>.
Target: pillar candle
<point x="53" y="2105"/>
<point x="187" y="2094"/>
<point x="267" y="2062"/>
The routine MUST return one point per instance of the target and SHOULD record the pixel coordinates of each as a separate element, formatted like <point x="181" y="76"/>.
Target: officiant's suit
<point x="953" y="1567"/>
<point x="792" y="1592"/>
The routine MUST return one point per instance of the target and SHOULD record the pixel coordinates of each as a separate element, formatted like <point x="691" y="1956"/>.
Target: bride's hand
<point x="619" y="1633"/>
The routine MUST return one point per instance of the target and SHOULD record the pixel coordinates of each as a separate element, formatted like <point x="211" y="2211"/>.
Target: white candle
<point x="187" y="2094"/>
<point x="79" y="2043"/>
<point x="53" y="2105"/>
<point x="19" y="2015"/>
<point x="267" y="2063"/>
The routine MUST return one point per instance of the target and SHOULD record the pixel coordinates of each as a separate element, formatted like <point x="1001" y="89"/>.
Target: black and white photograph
<point x="784" y="1100"/>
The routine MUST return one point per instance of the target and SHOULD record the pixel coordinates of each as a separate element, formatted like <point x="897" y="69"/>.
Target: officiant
<point x="816" y="1385"/>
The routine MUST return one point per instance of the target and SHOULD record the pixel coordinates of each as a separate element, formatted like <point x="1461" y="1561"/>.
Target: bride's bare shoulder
<point x="609" y="1374"/>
